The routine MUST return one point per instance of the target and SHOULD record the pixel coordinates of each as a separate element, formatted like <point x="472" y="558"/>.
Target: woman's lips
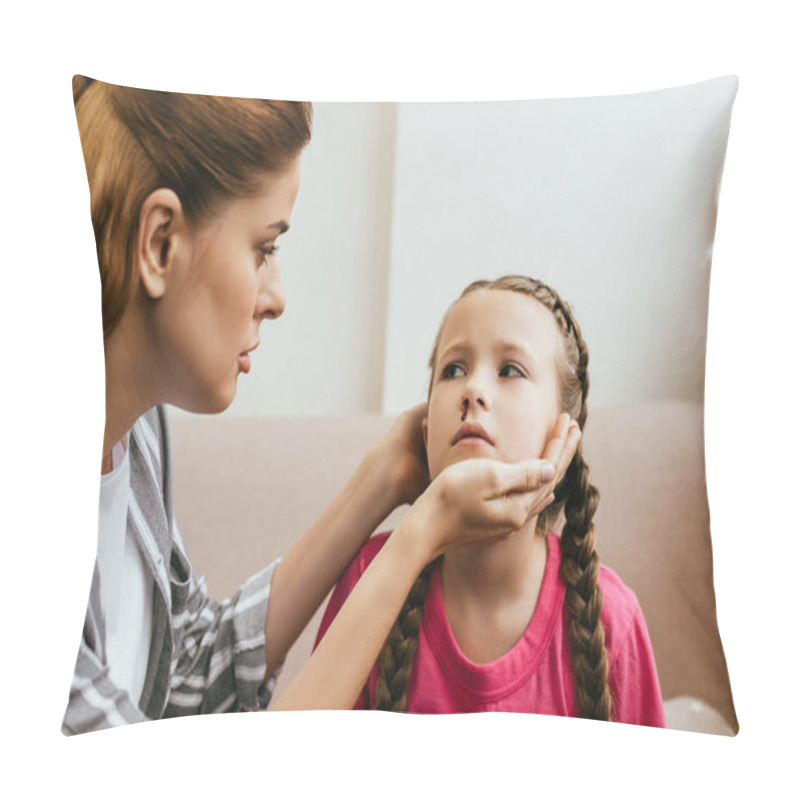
<point x="244" y="358"/>
<point x="471" y="433"/>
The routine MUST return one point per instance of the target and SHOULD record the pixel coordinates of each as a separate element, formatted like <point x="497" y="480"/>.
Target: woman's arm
<point x="392" y="473"/>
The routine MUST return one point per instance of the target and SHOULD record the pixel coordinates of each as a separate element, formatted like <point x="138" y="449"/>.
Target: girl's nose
<point x="271" y="300"/>
<point x="474" y="395"/>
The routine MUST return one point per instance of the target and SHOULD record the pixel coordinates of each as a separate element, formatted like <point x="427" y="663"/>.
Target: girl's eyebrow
<point x="515" y="348"/>
<point x="457" y="348"/>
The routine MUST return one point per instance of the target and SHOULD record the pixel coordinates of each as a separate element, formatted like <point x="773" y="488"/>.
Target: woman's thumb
<point x="526" y="476"/>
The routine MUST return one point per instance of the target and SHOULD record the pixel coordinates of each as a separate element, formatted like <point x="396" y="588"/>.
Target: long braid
<point x="580" y="564"/>
<point x="400" y="648"/>
<point x="579" y="569"/>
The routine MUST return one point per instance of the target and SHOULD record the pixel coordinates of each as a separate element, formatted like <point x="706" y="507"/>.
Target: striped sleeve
<point x="95" y="701"/>
<point x="219" y="661"/>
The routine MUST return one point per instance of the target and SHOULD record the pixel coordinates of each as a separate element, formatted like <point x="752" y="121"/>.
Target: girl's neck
<point x="495" y="572"/>
<point x="490" y="592"/>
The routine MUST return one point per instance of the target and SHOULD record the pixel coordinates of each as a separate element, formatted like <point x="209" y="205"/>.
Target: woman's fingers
<point x="521" y="478"/>
<point x="562" y="445"/>
<point x="567" y="451"/>
<point x="557" y="440"/>
<point x="527" y="488"/>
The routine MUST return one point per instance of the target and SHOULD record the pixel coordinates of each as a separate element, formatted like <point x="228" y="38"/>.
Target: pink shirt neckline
<point x="492" y="681"/>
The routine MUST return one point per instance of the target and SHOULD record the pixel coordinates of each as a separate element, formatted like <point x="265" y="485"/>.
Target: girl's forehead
<point x="496" y="315"/>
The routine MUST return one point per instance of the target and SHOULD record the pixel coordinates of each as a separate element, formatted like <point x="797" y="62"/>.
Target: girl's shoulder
<point x="348" y="580"/>
<point x="616" y="593"/>
<point x="620" y="605"/>
<point x="368" y="551"/>
<point x="621" y="613"/>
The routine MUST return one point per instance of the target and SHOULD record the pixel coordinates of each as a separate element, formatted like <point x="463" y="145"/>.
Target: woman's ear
<point x="160" y="220"/>
<point x="425" y="433"/>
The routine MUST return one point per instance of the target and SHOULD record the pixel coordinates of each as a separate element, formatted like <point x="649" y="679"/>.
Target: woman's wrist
<point x="376" y="472"/>
<point x="417" y="536"/>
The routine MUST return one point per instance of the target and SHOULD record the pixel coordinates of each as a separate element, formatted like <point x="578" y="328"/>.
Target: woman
<point x="189" y="196"/>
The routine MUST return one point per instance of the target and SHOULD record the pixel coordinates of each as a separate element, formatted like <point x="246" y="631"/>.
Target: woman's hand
<point x="401" y="455"/>
<point x="478" y="500"/>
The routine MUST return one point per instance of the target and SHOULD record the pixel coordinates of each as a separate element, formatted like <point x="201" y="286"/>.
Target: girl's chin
<point x="458" y="457"/>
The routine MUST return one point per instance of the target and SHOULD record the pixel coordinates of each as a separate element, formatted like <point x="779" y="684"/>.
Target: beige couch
<point x="245" y="489"/>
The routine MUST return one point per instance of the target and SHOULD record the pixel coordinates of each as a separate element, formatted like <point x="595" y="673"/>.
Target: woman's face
<point x="225" y="282"/>
<point x="494" y="392"/>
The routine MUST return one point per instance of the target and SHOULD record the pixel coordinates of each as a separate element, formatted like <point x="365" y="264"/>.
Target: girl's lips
<point x="471" y="433"/>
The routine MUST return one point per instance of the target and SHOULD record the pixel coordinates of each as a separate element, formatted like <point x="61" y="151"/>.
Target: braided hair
<point x="575" y="498"/>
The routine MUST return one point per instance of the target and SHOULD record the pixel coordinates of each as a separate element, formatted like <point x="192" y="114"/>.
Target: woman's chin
<point x="223" y="401"/>
<point x="209" y="402"/>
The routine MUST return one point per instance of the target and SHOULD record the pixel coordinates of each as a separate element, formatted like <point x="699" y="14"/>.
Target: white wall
<point x="401" y="206"/>
<point x="325" y="354"/>
<point x="612" y="201"/>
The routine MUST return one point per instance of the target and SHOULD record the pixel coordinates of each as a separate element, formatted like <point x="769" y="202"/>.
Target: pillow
<point x="612" y="201"/>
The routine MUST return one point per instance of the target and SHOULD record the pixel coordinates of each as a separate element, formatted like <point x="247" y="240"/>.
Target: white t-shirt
<point x="126" y="586"/>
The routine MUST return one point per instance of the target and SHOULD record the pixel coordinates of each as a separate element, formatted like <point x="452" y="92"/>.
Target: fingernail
<point x="548" y="472"/>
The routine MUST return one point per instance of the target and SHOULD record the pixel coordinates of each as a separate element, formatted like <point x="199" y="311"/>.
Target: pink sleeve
<point x="633" y="678"/>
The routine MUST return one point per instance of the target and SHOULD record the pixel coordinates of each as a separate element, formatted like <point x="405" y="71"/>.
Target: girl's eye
<point x="452" y="371"/>
<point x="511" y="371"/>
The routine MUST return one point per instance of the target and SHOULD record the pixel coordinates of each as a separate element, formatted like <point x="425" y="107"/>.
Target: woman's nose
<point x="271" y="300"/>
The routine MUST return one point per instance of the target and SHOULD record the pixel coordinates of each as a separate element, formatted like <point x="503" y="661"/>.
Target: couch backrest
<point x="246" y="489"/>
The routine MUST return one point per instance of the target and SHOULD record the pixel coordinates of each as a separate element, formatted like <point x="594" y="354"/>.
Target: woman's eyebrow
<point x="281" y="225"/>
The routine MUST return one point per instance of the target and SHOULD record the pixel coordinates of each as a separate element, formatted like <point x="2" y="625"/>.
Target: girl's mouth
<point x="472" y="433"/>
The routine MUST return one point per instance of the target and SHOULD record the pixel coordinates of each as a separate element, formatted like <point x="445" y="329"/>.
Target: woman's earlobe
<point x="159" y="224"/>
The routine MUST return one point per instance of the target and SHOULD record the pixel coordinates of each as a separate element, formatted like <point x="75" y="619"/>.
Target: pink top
<point x="535" y="675"/>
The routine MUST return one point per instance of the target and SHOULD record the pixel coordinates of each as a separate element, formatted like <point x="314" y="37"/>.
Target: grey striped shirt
<point x="205" y="656"/>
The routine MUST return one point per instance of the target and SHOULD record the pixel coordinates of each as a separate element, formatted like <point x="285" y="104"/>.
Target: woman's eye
<point x="266" y="252"/>
<point x="452" y="371"/>
<point x="511" y="371"/>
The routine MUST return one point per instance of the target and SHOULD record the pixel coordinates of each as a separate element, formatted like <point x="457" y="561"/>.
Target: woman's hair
<point x="574" y="496"/>
<point x="206" y="149"/>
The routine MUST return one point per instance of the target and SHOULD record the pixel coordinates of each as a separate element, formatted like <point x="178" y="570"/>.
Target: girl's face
<point x="225" y="282"/>
<point x="494" y="392"/>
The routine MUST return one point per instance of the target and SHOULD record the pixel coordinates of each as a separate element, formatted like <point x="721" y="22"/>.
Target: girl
<point x="189" y="195"/>
<point x="532" y="622"/>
